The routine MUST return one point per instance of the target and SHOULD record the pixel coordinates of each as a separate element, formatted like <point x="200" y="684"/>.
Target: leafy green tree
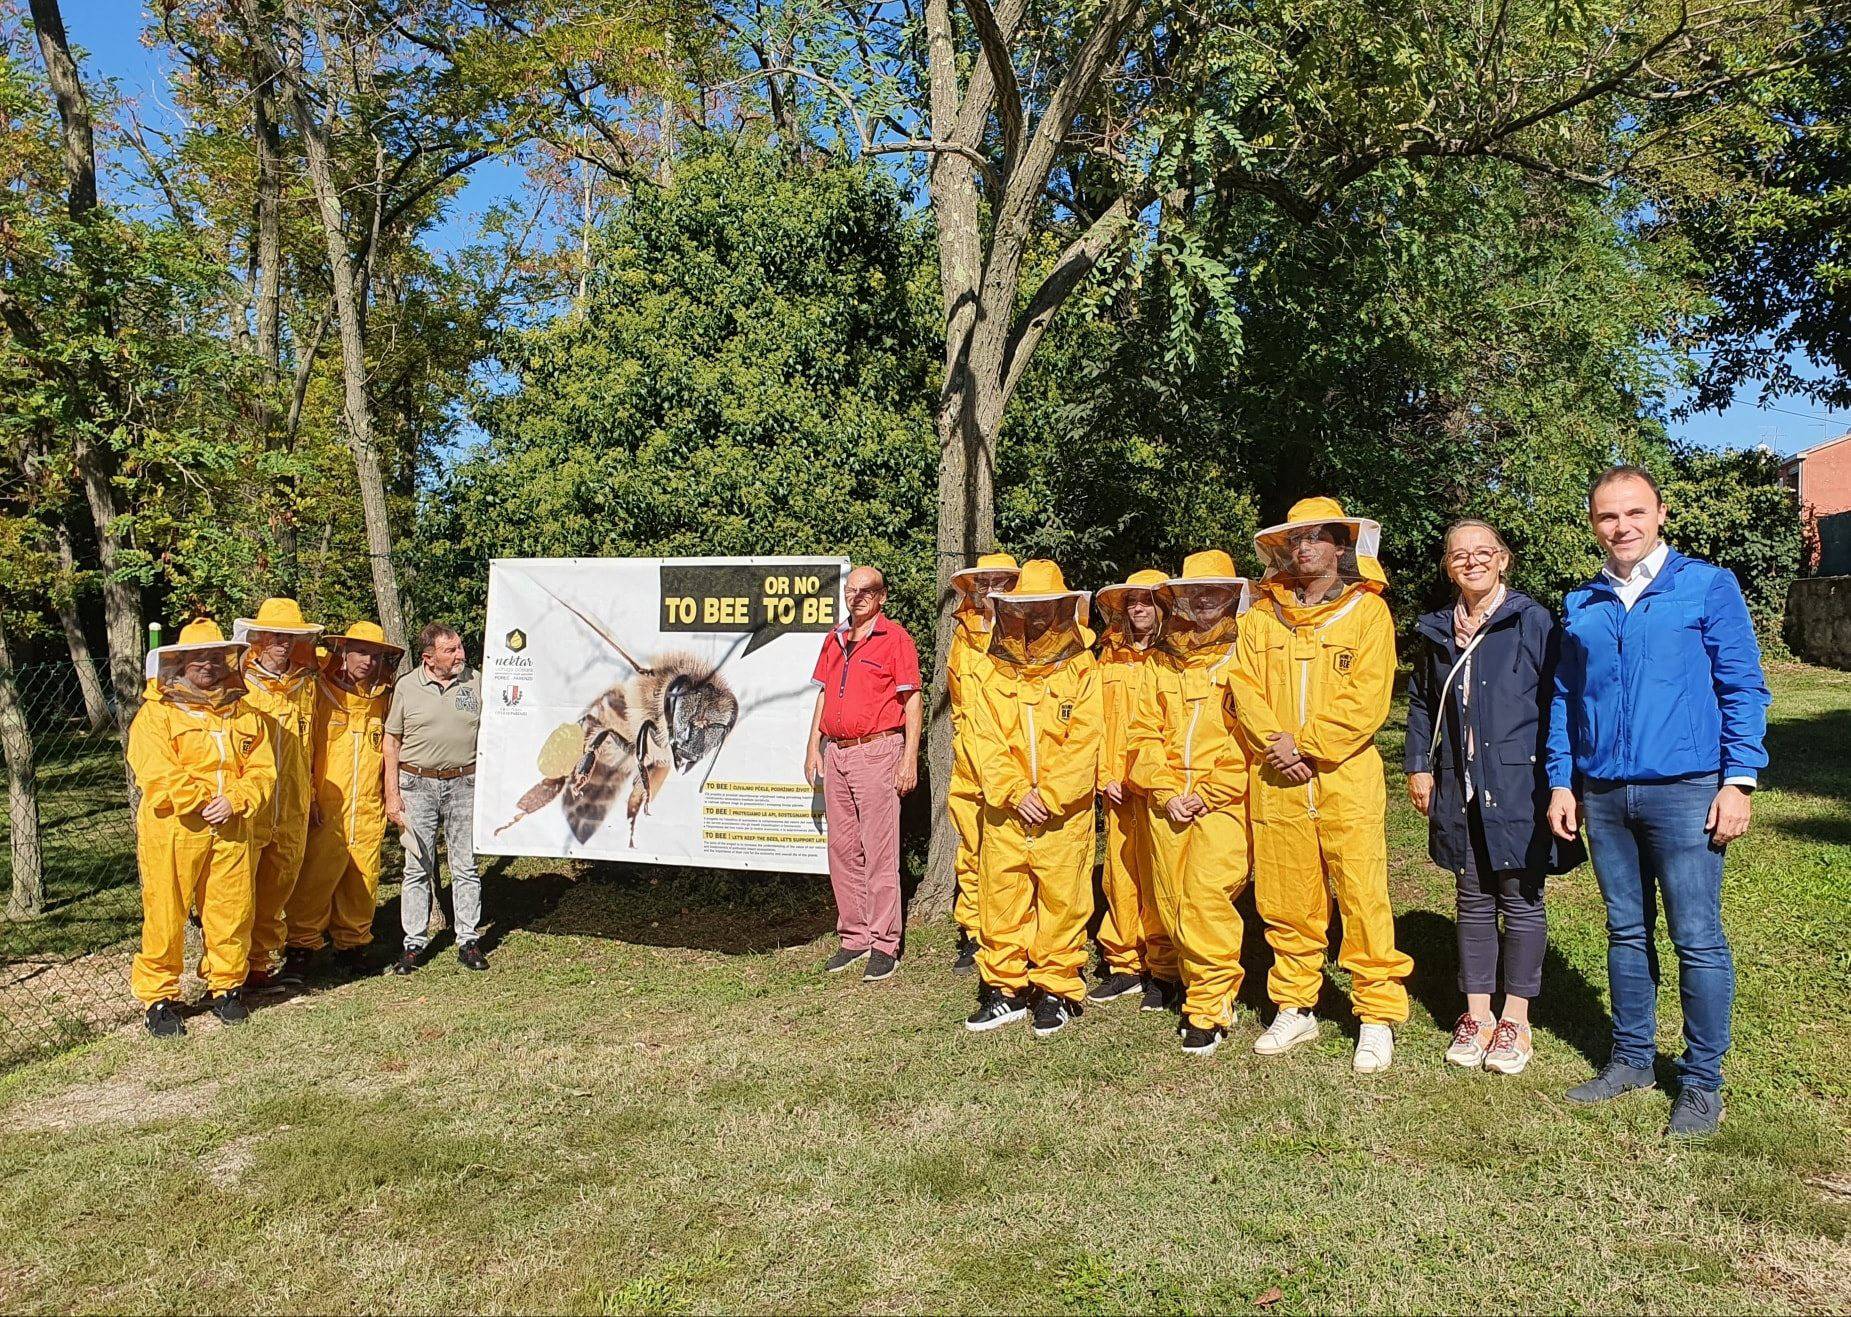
<point x="1768" y="208"/>
<point x="1732" y="509"/>
<point x="746" y="375"/>
<point x="1481" y="347"/>
<point x="1054" y="140"/>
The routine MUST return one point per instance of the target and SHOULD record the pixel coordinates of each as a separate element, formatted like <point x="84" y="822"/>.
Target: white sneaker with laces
<point x="1289" y="1028"/>
<point x="1375" y="1049"/>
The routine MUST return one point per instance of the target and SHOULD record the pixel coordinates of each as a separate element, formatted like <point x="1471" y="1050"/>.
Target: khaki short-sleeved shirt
<point x="435" y="723"/>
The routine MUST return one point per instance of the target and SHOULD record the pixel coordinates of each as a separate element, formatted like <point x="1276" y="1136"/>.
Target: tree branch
<point x="1008" y="95"/>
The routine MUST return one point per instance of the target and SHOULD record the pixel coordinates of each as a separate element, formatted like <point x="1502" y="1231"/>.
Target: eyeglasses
<point x="1319" y="535"/>
<point x="1472" y="557"/>
<point x="863" y="592"/>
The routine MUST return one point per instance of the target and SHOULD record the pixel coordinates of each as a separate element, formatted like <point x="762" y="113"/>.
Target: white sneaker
<point x="1375" y="1049"/>
<point x="1289" y="1028"/>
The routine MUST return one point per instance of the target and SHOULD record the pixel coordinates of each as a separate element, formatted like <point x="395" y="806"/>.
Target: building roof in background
<point x="1805" y="453"/>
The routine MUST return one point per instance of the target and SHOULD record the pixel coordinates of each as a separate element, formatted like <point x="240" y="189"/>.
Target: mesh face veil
<point x="1115" y="621"/>
<point x="179" y="668"/>
<point x="1316" y="542"/>
<point x="1202" y="614"/>
<point x="1038" y="630"/>
<point x="976" y="585"/>
<point x="301" y="646"/>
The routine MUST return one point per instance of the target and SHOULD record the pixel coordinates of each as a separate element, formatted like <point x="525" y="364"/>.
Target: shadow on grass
<point x="1807" y="755"/>
<point x="508" y="903"/>
<point x="1829" y="831"/>
<point x="720" y="910"/>
<point x="1571" y="1007"/>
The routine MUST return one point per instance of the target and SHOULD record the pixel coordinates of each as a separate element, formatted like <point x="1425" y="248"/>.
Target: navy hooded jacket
<point x="1513" y="681"/>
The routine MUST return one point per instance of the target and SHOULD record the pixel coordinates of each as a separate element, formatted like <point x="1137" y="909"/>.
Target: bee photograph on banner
<point x="654" y="709"/>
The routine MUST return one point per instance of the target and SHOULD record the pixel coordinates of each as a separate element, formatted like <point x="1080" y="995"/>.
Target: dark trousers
<point x="1484" y="894"/>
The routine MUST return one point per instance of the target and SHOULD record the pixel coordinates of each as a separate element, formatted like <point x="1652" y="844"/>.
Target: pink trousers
<point x="863" y="808"/>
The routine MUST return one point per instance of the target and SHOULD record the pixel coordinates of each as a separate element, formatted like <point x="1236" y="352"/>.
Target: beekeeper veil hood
<point x="1316" y="540"/>
<point x="1113" y="603"/>
<point x="992" y="573"/>
<point x="279" y="617"/>
<point x="200" y="668"/>
<point x="1202" y="607"/>
<point x="1039" y="622"/>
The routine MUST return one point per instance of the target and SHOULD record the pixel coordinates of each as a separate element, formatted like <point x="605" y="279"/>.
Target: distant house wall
<point x="1818" y="625"/>
<point x="1822" y="478"/>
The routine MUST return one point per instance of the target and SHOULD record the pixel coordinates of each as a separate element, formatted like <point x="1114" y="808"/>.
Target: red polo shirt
<point x="865" y="682"/>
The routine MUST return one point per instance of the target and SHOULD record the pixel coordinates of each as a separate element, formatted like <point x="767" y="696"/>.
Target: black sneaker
<point x="995" y="1008"/>
<point x="843" y="959"/>
<point x="1198" y="1041"/>
<point x="295" y="967"/>
<point x="1052" y="1014"/>
<point x="967" y="954"/>
<point x="408" y="960"/>
<point x="263" y="982"/>
<point x="1696" y="1113"/>
<point x="1113" y="986"/>
<point x="880" y="966"/>
<point x="1615" y="1078"/>
<point x="229" y="1006"/>
<point x="471" y="956"/>
<point x="1161" y="995"/>
<point x="164" y="1021"/>
<point x="350" y="963"/>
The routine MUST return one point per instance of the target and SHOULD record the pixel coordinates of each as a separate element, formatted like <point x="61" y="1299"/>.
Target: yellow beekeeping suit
<point x="186" y="748"/>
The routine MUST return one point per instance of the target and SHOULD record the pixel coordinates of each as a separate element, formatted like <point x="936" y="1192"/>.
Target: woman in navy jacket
<point x="1477" y="765"/>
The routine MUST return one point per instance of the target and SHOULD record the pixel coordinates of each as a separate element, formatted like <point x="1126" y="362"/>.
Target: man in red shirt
<point x="864" y="749"/>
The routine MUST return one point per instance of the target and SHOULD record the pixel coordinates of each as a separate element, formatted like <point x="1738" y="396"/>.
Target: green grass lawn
<point x="655" y="1102"/>
<point x="87" y="841"/>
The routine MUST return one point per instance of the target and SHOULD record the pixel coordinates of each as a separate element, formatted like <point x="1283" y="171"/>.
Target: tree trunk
<point x="966" y="528"/>
<point x="96" y="704"/>
<point x="76" y="135"/>
<point x="96" y="464"/>
<point x="356" y="408"/>
<point x="26" y="899"/>
<point x="966" y="511"/>
<point x="267" y="244"/>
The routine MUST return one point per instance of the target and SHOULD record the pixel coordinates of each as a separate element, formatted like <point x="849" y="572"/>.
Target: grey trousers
<point x="433" y="805"/>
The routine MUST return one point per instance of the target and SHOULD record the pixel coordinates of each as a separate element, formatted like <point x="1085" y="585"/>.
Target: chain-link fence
<point x="67" y="863"/>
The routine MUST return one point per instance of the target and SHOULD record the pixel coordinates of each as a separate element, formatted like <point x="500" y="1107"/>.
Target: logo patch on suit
<point x="246" y="745"/>
<point x="1066" y="711"/>
<point x="1343" y="658"/>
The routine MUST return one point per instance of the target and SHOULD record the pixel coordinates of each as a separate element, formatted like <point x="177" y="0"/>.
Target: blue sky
<point x="110" y="30"/>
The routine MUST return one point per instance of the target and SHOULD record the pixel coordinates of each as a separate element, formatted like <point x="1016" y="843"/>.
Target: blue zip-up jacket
<point x="1671" y="688"/>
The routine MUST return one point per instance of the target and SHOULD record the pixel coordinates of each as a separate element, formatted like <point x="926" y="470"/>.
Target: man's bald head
<point x="865" y="592"/>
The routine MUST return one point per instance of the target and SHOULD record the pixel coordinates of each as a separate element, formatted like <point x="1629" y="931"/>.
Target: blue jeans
<point x="1647" y="838"/>
<point x="434" y="805"/>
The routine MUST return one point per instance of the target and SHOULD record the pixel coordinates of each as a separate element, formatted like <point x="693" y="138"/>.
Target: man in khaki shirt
<point x="431" y="785"/>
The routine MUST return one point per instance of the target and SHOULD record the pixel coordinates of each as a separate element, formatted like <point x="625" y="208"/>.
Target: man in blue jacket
<point x="1655" y="741"/>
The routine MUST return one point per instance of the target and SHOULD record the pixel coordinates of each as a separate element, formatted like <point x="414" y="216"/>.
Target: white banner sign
<point x="654" y="709"/>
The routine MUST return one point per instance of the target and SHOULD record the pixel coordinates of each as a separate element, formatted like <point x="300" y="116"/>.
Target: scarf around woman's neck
<point x="1466" y="623"/>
